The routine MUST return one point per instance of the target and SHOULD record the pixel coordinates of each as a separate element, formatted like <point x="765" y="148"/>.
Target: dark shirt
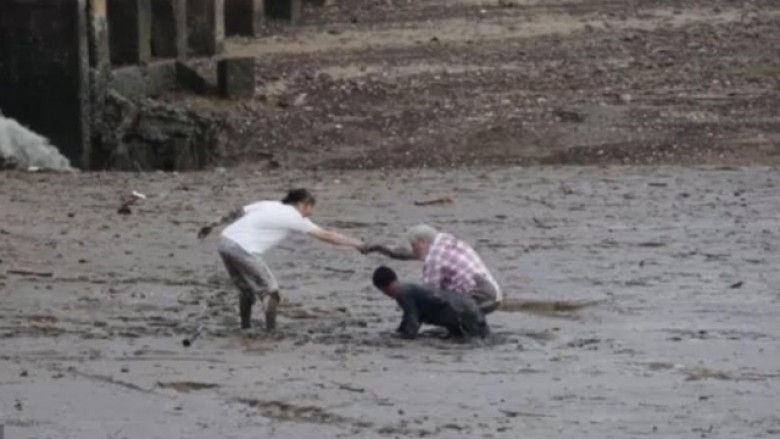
<point x="457" y="312"/>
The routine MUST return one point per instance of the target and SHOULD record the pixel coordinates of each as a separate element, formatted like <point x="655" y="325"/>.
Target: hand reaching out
<point x="364" y="249"/>
<point x="369" y="248"/>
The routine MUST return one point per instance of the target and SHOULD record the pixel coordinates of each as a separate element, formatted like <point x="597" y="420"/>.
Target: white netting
<point x="23" y="149"/>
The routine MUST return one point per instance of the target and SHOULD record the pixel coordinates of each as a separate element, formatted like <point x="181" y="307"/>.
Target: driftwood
<point x="431" y="202"/>
<point x="25" y="272"/>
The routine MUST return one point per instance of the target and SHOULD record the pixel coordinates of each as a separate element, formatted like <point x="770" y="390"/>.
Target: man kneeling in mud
<point x="458" y="313"/>
<point x="449" y="264"/>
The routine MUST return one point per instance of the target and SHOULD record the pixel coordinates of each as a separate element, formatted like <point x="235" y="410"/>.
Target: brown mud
<point x="443" y="83"/>
<point x="679" y="337"/>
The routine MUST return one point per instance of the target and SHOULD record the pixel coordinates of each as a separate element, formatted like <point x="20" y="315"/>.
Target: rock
<point x="568" y="116"/>
<point x="236" y="77"/>
<point x="299" y="100"/>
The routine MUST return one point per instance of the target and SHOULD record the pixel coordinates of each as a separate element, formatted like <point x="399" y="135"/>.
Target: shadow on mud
<point x="547" y="308"/>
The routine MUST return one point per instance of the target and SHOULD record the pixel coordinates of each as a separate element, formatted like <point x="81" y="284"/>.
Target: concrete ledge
<point x="197" y="76"/>
<point x="137" y="82"/>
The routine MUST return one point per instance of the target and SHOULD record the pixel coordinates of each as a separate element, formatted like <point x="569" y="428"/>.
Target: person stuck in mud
<point x="457" y="313"/>
<point x="257" y="228"/>
<point x="449" y="264"/>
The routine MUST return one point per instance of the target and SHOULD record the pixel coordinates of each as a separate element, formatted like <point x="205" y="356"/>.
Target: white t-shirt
<point x="265" y="224"/>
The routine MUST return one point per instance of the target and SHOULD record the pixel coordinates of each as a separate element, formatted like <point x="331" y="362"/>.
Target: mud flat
<point x="383" y="83"/>
<point x="677" y="264"/>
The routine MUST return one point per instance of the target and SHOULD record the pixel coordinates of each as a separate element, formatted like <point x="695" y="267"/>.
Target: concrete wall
<point x="80" y="71"/>
<point x="44" y="71"/>
<point x="169" y="28"/>
<point x="130" y="31"/>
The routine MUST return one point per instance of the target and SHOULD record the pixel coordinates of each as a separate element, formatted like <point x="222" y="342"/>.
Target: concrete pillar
<point x="44" y="71"/>
<point x="169" y="28"/>
<point x="83" y="116"/>
<point x="206" y="27"/>
<point x="99" y="47"/>
<point x="289" y="10"/>
<point x="236" y="77"/>
<point x="244" y="17"/>
<point x="182" y="43"/>
<point x="100" y="72"/>
<point x="130" y="31"/>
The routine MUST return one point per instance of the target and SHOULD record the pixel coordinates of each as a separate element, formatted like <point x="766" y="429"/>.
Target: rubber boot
<point x="245" y="308"/>
<point x="271" y="302"/>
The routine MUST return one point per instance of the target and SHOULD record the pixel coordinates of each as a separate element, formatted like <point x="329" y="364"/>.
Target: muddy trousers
<point x="253" y="279"/>
<point x="486" y="295"/>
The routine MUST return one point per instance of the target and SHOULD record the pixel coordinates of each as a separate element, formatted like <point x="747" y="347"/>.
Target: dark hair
<point x="300" y="195"/>
<point x="384" y="276"/>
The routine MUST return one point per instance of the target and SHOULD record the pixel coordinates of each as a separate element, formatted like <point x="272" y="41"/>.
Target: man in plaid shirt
<point x="449" y="264"/>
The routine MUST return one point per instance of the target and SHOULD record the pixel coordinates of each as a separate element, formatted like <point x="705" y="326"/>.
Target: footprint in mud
<point x="283" y="411"/>
<point x="42" y="319"/>
<point x="658" y="365"/>
<point x="702" y="373"/>
<point x="187" y="386"/>
<point x="354" y="224"/>
<point x="299" y="314"/>
<point x="540" y="335"/>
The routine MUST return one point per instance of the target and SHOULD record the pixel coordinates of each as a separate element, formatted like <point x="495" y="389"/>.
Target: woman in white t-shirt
<point x="257" y="228"/>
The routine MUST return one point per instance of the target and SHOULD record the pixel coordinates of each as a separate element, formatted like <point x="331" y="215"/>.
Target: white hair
<point x="422" y="232"/>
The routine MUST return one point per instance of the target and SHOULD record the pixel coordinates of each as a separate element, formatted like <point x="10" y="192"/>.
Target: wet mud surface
<point x="641" y="302"/>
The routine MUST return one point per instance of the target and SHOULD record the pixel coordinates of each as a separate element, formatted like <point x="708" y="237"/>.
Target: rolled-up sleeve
<point x="303" y="225"/>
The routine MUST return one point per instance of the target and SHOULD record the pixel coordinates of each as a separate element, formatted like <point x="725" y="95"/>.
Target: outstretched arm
<point x="400" y="253"/>
<point x="227" y="218"/>
<point x="335" y="238"/>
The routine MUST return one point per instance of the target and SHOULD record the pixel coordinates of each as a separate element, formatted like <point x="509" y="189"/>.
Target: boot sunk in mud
<point x="458" y="313"/>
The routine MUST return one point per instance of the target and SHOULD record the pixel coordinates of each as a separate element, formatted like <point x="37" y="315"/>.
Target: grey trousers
<point x="486" y="295"/>
<point x="249" y="272"/>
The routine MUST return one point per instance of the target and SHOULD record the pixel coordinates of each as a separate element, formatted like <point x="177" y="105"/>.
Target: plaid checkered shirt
<point x="451" y="265"/>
